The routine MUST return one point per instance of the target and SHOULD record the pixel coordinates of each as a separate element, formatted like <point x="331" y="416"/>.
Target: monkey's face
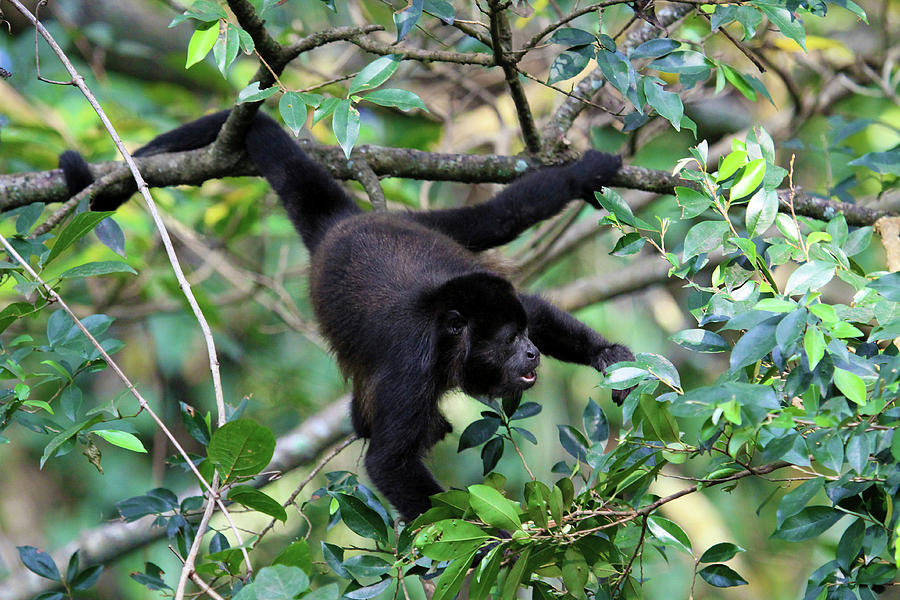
<point x="500" y="361"/>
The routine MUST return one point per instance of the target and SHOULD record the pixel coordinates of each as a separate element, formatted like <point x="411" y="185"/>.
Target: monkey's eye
<point x="455" y="328"/>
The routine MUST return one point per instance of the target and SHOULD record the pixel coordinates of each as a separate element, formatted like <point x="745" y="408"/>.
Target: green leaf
<point x="325" y="108"/>
<point x="491" y="454"/>
<point x="402" y="99"/>
<point x="814" y="346"/>
<point x="685" y="62"/>
<point x="293" y="111"/>
<point x="375" y="73"/>
<point x="721" y="552"/>
<point x="345" y="124"/>
<point x="39" y="562"/>
<point x="492" y="508"/>
<point x="811" y="522"/>
<point x="730" y="164"/>
<point x="789" y="24"/>
<point x="692" y="202"/>
<point x="569" y="63"/>
<point x="450" y="539"/>
<point x="704" y="237"/>
<point x="669" y="533"/>
<point x="93" y="269"/>
<point x="721" y="576"/>
<point x="440" y="9"/>
<point x="516" y="574"/>
<point x="228" y="44"/>
<point x="362" y="519"/>
<point x="123" y="439"/>
<point x="364" y="566"/>
<point x="613" y="202"/>
<point x="241" y="448"/>
<point x="667" y="104"/>
<point x="61" y="438"/>
<point x="575" y="572"/>
<point x="326" y="592"/>
<point x="761" y="212"/>
<point x="797" y="499"/>
<point x="452" y="578"/>
<point x="809" y="277"/>
<point x="256" y="500"/>
<point x="737" y="79"/>
<point x="407" y="18"/>
<point x="252" y="93"/>
<point x="202" y="41"/>
<point x="655" y="48"/>
<point x="596" y="425"/>
<point x="660" y="367"/>
<point x="700" y="340"/>
<point x="888" y="286"/>
<point x="485" y="573"/>
<point x="279" y="582"/>
<point x="851" y="385"/>
<point x="80" y="225"/>
<point x="749" y="180"/>
<point x="297" y="554"/>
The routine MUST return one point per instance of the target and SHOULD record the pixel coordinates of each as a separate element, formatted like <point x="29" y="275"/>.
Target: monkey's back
<point x="367" y="275"/>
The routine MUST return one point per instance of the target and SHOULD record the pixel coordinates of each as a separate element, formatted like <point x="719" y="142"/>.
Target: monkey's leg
<point x="558" y="334"/>
<point x="523" y="203"/>
<point x="402" y="431"/>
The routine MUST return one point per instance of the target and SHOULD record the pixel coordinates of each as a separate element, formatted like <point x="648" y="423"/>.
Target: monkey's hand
<point x="609" y="355"/>
<point x="592" y="172"/>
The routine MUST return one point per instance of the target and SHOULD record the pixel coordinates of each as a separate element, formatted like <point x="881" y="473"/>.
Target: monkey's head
<point x="482" y="333"/>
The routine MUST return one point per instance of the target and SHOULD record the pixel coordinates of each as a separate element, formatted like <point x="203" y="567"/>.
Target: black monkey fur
<point x="405" y="300"/>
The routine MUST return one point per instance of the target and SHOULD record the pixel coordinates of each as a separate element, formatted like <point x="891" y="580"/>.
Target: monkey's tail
<point x="314" y="201"/>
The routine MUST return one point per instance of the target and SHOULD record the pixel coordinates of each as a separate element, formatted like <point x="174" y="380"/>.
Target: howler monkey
<point x="407" y="303"/>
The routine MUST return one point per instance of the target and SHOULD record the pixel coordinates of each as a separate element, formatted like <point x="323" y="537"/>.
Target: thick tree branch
<point x="197" y="166"/>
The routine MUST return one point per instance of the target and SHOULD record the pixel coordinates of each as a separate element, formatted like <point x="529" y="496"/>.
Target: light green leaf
<point x="345" y="124"/>
<point x="402" y="99"/>
<point x="375" y="73"/>
<point x="202" y="41"/>
<point x="123" y="439"/>
<point x="93" y="269"/>
<point x="493" y="508"/>
<point x="293" y="111"/>
<point x="851" y="385"/>
<point x="750" y="180"/>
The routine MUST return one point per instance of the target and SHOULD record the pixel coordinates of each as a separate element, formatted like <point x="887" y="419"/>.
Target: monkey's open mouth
<point x="529" y="378"/>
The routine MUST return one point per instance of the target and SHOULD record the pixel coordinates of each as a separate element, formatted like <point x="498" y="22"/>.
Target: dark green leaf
<point x="569" y="36"/>
<point x="811" y="522"/>
<point x="440" y="9"/>
<point x="39" y="562"/>
<point x="755" y="344"/>
<point x="362" y="519"/>
<point x="797" y="499"/>
<point x="477" y="433"/>
<point x="573" y="442"/>
<point x="370" y="591"/>
<point x="721" y="576"/>
<point x="529" y="409"/>
<point x="721" y="552"/>
<point x="888" y="286"/>
<point x="686" y="62"/>
<point x="667" y="104"/>
<point x="655" y="48"/>
<point x="296" y="555"/>
<point x="596" y="425"/>
<point x="491" y="454"/>
<point x="452" y="578"/>
<point x="87" y="578"/>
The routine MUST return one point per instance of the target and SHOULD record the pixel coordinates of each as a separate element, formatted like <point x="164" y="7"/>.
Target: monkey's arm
<point x="558" y="334"/>
<point x="524" y="202"/>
